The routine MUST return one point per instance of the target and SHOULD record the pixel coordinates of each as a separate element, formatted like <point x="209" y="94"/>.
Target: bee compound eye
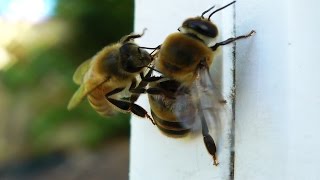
<point x="126" y="49"/>
<point x="202" y="27"/>
<point x="130" y="58"/>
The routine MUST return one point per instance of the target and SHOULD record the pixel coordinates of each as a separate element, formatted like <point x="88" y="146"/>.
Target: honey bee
<point x="109" y="79"/>
<point x="187" y="92"/>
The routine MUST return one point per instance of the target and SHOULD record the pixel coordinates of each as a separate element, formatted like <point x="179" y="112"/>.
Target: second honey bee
<point x="110" y="79"/>
<point x="188" y="93"/>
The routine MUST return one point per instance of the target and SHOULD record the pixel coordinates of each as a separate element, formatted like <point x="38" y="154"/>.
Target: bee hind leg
<point x="208" y="141"/>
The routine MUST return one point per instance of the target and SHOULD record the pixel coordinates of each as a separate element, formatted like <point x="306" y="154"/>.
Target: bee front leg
<point x="230" y="40"/>
<point x="128" y="106"/>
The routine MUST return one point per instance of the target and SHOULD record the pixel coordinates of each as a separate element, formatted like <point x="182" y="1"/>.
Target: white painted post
<point x="277" y="94"/>
<point x="155" y="156"/>
<point x="262" y="86"/>
<point x="304" y="93"/>
<point x="278" y="101"/>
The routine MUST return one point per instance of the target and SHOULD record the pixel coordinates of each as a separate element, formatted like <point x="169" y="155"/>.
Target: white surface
<point x="277" y="104"/>
<point x="304" y="94"/>
<point x="153" y="155"/>
<point x="262" y="91"/>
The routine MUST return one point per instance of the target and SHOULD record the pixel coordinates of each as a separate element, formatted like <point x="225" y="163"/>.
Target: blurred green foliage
<point x="95" y="23"/>
<point x="39" y="85"/>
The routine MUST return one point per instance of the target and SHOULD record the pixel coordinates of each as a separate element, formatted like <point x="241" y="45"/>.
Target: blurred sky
<point x="20" y="11"/>
<point x="28" y="10"/>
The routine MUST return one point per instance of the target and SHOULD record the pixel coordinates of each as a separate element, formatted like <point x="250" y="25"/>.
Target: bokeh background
<point x="41" y="44"/>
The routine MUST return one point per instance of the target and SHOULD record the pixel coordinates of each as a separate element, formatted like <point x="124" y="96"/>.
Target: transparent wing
<point x="82" y="91"/>
<point x="88" y="81"/>
<point x="77" y="97"/>
<point x="185" y="108"/>
<point x="80" y="72"/>
<point x="201" y="101"/>
<point x="87" y="76"/>
<point x="210" y="103"/>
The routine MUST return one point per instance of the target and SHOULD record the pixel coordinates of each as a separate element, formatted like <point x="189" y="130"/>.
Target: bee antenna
<point x="143" y="31"/>
<point x="132" y="36"/>
<point x="204" y="12"/>
<point x="220" y="9"/>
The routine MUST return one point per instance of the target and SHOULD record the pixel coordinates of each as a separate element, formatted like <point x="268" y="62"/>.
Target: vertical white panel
<point x="304" y="121"/>
<point x="262" y="91"/>
<point x="153" y="155"/>
<point x="278" y="101"/>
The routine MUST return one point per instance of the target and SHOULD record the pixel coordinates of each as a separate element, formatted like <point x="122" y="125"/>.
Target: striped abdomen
<point x="174" y="115"/>
<point x="99" y="102"/>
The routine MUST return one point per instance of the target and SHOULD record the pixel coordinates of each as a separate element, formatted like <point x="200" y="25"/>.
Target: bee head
<point x="132" y="58"/>
<point x="202" y="27"/>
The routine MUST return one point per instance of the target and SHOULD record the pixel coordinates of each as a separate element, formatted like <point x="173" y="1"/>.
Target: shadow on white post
<point x="155" y="156"/>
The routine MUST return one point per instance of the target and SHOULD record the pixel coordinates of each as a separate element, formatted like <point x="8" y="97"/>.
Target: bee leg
<point x="140" y="89"/>
<point x="167" y="88"/>
<point x="148" y="78"/>
<point x="151" y="48"/>
<point x="154" y="49"/>
<point x="128" y="106"/>
<point x="208" y="140"/>
<point x="136" y="90"/>
<point x="154" y="91"/>
<point x="230" y="40"/>
<point x="131" y="107"/>
<point x="160" y="91"/>
<point x="141" y="112"/>
<point x="223" y="101"/>
<point x="144" y="82"/>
